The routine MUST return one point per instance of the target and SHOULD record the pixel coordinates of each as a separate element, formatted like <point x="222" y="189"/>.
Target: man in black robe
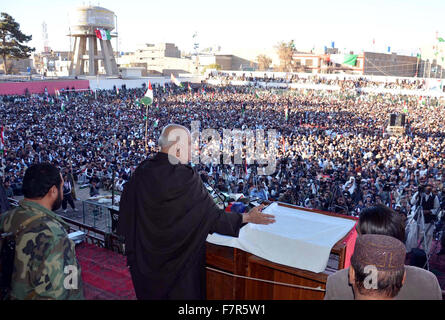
<point x="165" y="216"/>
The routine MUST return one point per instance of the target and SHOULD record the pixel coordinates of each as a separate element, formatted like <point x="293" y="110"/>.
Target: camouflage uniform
<point x="42" y="252"/>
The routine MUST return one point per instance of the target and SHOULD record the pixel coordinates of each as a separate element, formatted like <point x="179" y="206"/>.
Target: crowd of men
<point x="411" y="84"/>
<point x="333" y="151"/>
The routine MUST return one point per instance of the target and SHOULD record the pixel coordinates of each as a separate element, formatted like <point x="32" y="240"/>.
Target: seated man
<point x="377" y="270"/>
<point x="419" y="284"/>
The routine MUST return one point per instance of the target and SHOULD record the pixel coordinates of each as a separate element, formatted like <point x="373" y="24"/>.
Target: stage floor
<point x="104" y="273"/>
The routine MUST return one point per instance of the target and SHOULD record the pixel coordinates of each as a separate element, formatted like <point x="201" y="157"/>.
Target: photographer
<point x="430" y="205"/>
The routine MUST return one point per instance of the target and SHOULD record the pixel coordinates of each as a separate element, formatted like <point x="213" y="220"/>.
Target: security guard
<point x="45" y="263"/>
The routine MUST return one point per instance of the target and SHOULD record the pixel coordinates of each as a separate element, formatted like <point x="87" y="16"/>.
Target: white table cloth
<point x="298" y="238"/>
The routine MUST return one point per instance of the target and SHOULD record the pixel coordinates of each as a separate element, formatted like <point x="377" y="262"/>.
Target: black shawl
<point x="165" y="216"/>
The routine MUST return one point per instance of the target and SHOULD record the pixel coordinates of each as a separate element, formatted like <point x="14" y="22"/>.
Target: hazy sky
<point x="234" y="24"/>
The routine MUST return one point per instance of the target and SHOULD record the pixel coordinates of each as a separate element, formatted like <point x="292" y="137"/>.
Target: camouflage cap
<point x="384" y="252"/>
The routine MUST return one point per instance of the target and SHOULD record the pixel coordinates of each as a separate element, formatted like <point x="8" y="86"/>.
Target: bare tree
<point x="264" y="62"/>
<point x="286" y="52"/>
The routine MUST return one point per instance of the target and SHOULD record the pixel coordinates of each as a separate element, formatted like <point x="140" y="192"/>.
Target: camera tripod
<point x="419" y="215"/>
<point x="338" y="192"/>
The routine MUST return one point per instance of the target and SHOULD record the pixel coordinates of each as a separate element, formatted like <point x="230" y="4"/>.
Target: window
<point x="309" y="62"/>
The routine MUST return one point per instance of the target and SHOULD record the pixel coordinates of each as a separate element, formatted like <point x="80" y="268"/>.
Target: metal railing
<point x="91" y="213"/>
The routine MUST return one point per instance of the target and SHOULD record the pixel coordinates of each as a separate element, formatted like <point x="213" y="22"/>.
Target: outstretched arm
<point x="256" y="216"/>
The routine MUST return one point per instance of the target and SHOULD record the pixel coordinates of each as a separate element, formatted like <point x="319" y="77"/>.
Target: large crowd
<point x="333" y="151"/>
<point x="342" y="81"/>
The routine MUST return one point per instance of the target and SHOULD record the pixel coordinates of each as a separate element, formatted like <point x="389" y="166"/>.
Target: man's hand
<point x="256" y="216"/>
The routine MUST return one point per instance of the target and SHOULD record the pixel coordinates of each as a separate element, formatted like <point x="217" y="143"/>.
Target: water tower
<point x="86" y="20"/>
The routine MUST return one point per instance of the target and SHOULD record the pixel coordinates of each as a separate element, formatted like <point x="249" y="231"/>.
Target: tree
<point x="211" y="66"/>
<point x="264" y="62"/>
<point x="286" y="55"/>
<point x="12" y="39"/>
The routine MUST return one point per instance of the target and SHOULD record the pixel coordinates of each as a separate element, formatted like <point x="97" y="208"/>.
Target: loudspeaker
<point x="397" y="120"/>
<point x="392" y="119"/>
<point x="402" y="116"/>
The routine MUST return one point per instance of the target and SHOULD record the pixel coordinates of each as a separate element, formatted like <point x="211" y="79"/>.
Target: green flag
<point x="147" y="99"/>
<point x="62" y="107"/>
<point x="350" y="59"/>
<point x="441" y="39"/>
<point x="175" y="81"/>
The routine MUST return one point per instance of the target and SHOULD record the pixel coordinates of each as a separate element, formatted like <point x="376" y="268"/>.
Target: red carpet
<point x="104" y="273"/>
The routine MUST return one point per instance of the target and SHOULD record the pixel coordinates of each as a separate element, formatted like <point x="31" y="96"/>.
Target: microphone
<point x="218" y="194"/>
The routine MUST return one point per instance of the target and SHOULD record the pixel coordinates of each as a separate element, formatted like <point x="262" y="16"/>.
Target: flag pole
<point x="146" y="127"/>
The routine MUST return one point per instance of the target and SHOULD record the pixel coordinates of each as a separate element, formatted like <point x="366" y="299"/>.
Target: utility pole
<point x="195" y="49"/>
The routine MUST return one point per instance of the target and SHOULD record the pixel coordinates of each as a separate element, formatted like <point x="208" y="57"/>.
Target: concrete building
<point x="16" y="66"/>
<point x="160" y="59"/>
<point x="165" y="58"/>
<point x="53" y="63"/>
<point x="433" y="56"/>
<point x="225" y="61"/>
<point x="321" y="63"/>
<point x="159" y="50"/>
<point x="370" y="63"/>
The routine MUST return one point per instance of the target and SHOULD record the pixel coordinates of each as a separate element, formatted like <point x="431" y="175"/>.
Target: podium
<point x="235" y="274"/>
<point x="396" y="131"/>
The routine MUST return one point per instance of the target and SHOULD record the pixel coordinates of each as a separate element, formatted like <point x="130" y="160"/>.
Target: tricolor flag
<point x="175" y="81"/>
<point x="2" y="142"/>
<point x="62" y="107"/>
<point x="190" y="88"/>
<point x="405" y="109"/>
<point x="148" y="98"/>
<point x="286" y="113"/>
<point x="155" y="124"/>
<point x="103" y="34"/>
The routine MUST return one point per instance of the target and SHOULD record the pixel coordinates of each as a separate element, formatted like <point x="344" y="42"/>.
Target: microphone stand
<point x="223" y="199"/>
